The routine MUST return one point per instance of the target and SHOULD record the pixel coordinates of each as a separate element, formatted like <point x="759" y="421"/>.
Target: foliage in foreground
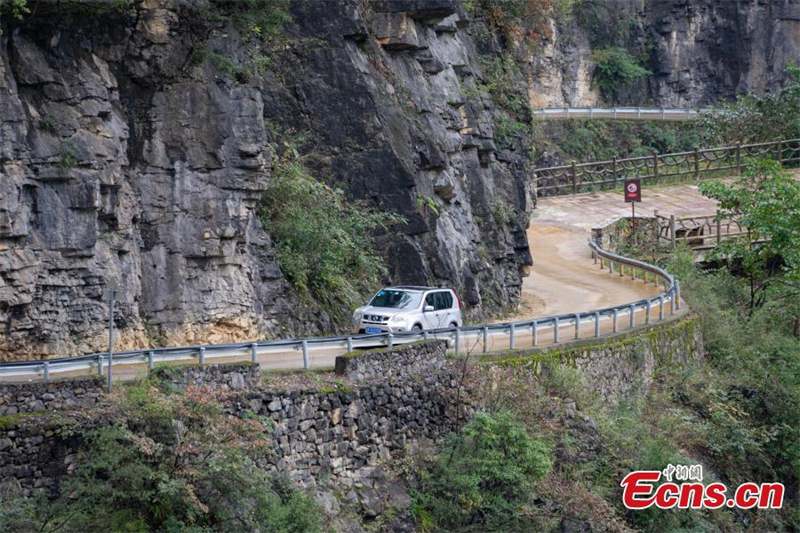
<point x="324" y="241"/>
<point x="173" y="462"/>
<point x="765" y="203"/>
<point x="483" y="477"/>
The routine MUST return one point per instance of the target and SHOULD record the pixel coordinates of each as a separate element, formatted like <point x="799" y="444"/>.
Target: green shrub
<point x="482" y="478"/>
<point x="173" y="463"/>
<point x="324" y="240"/>
<point x="754" y="119"/>
<point x="616" y="67"/>
<point x="501" y="211"/>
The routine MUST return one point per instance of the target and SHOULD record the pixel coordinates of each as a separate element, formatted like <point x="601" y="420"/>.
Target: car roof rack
<point x="412" y="287"/>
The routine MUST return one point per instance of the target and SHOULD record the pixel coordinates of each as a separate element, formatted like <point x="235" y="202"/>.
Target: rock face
<point x="128" y="158"/>
<point x="117" y="169"/>
<point x="699" y="51"/>
<point x="125" y="163"/>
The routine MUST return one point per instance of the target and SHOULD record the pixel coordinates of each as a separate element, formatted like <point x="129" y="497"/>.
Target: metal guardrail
<point x="576" y="178"/>
<point x="620" y="113"/>
<point x="460" y="337"/>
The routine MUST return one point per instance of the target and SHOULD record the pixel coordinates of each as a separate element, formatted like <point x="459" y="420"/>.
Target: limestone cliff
<point x="125" y="161"/>
<point x="699" y="51"/>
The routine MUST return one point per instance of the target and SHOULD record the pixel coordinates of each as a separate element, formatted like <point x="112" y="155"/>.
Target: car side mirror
<point x="428" y="308"/>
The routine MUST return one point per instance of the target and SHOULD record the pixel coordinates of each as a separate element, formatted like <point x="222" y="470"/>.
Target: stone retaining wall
<point x="624" y="364"/>
<point x="416" y="358"/>
<point x="35" y="397"/>
<point x="341" y="432"/>
<point x="344" y="435"/>
<point x="616" y="233"/>
<point x="229" y="376"/>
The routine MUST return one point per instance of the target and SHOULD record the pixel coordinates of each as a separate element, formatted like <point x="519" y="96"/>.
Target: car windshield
<point x="397" y="299"/>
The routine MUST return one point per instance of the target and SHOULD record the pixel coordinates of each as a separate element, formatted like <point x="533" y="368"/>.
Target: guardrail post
<point x="46" y="371"/>
<point x="633" y="273"/>
<point x="638" y="112"/>
<point x="555" y="330"/>
<point x="677" y="295"/>
<point x="660" y="308"/>
<point x="202" y="355"/>
<point x="647" y="312"/>
<point x="535" y="332"/>
<point x="614" y="170"/>
<point x="100" y="364"/>
<point x="458" y="340"/>
<point x="574" y="178"/>
<point x="150" y="362"/>
<point x="672" y="301"/>
<point x="597" y="324"/>
<point x="655" y="168"/>
<point x="511" y="336"/>
<point x="615" y="321"/>
<point x="577" y="326"/>
<point x="349" y="344"/>
<point x="389" y="340"/>
<point x="696" y="163"/>
<point x="611" y="267"/>
<point x="485" y="339"/>
<point x="253" y="353"/>
<point x="425" y="335"/>
<point x="780" y="150"/>
<point x="306" y="362"/>
<point x="633" y="316"/>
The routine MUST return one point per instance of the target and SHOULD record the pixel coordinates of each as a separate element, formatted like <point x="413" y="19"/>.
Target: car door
<point x="432" y="318"/>
<point x="444" y="308"/>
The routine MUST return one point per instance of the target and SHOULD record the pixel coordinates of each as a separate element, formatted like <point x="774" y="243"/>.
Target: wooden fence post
<point x="780" y="151"/>
<point x="614" y="170"/>
<point x="655" y="168"/>
<point x="719" y="228"/>
<point x="738" y="159"/>
<point x="574" y="179"/>
<point x="697" y="163"/>
<point x="672" y="230"/>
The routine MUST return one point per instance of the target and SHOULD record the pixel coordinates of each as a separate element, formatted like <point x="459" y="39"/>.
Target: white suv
<point x="408" y="308"/>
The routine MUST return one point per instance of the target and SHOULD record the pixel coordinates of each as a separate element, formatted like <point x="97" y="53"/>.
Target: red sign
<point x="633" y="191"/>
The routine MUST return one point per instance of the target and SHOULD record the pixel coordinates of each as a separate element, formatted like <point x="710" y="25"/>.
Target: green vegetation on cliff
<point x="324" y="240"/>
<point x="482" y="478"/>
<point x="172" y="462"/>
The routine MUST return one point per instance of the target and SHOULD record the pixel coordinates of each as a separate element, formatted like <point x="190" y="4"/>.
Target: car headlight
<point x="397" y="319"/>
<point x="357" y="317"/>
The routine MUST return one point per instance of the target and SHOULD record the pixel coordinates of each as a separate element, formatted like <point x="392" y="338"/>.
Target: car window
<point x="447" y="297"/>
<point x="430" y="299"/>
<point x="442" y="300"/>
<point x="396" y="299"/>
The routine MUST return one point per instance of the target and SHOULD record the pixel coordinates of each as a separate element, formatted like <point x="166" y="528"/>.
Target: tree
<point x="765" y="202"/>
<point x="483" y="477"/>
<point x="753" y="119"/>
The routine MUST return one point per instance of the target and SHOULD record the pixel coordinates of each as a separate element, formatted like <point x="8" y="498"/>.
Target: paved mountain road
<point x="563" y="279"/>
